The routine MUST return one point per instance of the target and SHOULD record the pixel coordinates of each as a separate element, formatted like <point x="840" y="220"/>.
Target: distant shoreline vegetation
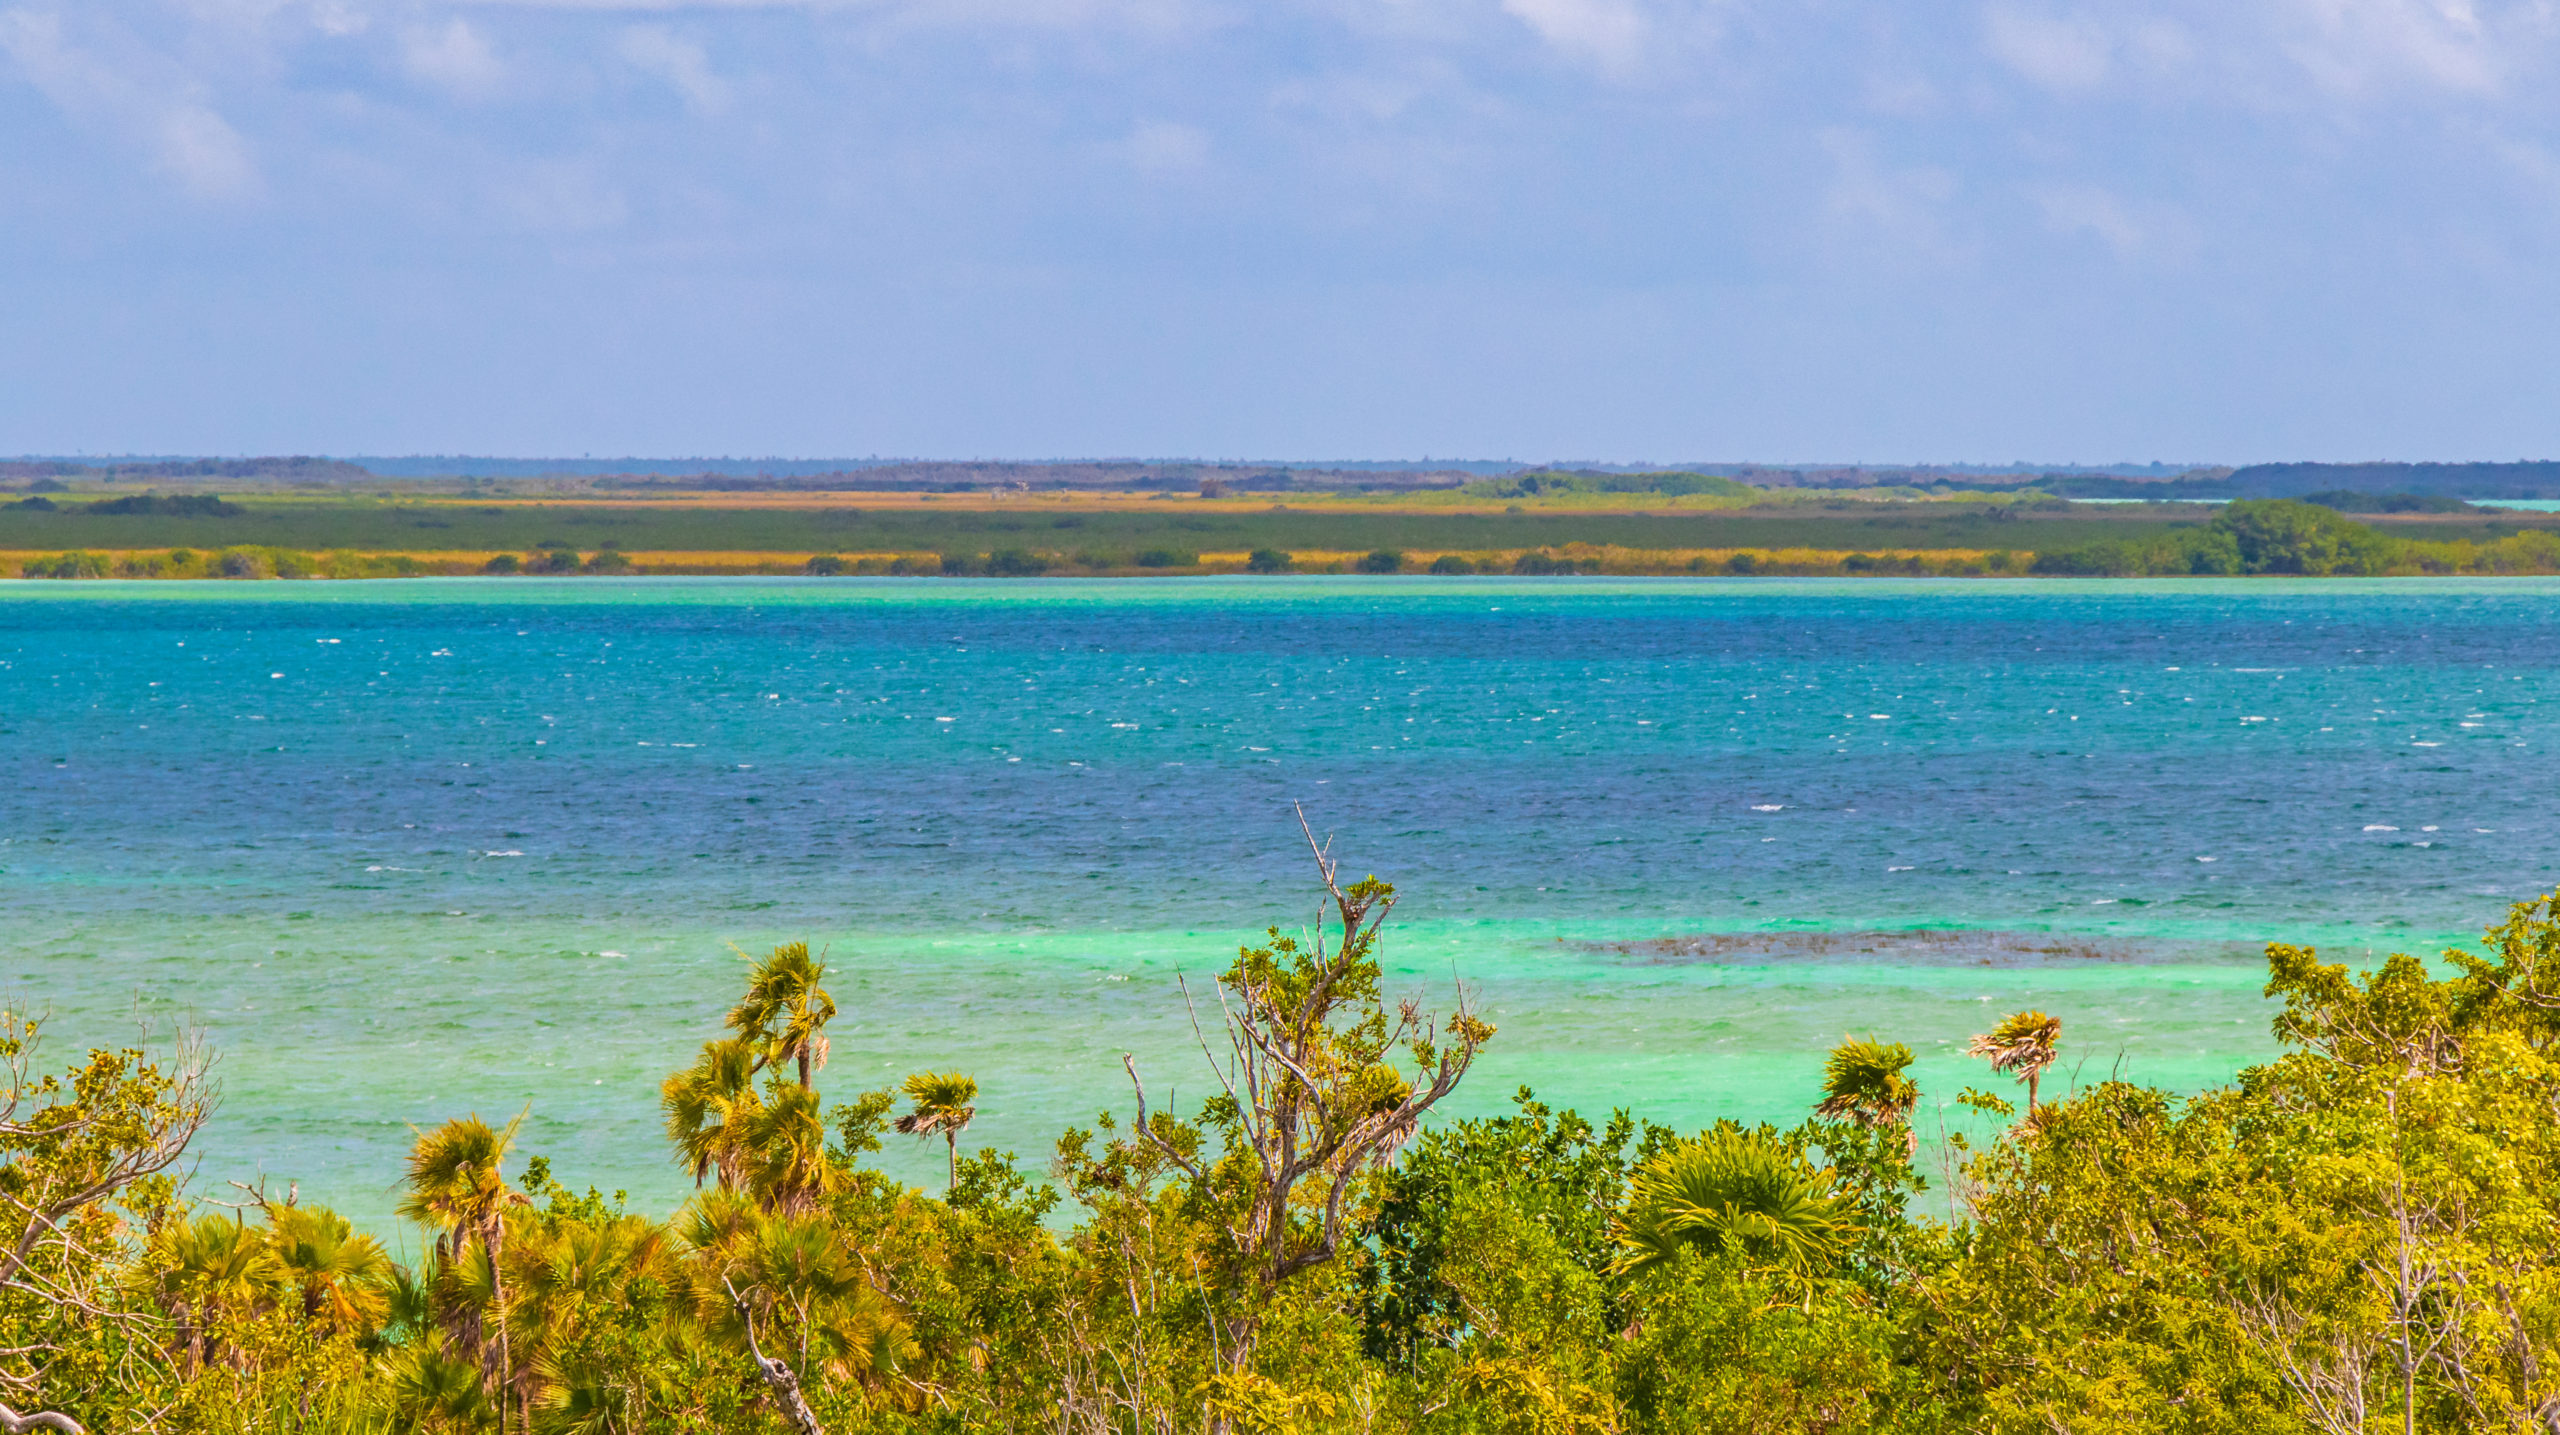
<point x="2244" y="538"/>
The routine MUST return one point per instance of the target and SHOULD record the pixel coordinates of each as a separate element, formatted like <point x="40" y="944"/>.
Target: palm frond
<point x="1863" y="1081"/>
<point x="2025" y="1043"/>
<point x="1733" y="1192"/>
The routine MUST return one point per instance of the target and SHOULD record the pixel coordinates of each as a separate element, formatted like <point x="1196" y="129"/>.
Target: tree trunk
<point x="16" y="1424"/>
<point x="496" y="1242"/>
<point x="779" y="1378"/>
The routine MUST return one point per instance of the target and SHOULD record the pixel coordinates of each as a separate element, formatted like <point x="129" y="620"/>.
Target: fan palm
<point x="433" y="1390"/>
<point x="1862" y="1081"/>
<point x="1733" y="1192"/>
<point x="800" y="1284"/>
<point x="785" y="1012"/>
<point x="457" y="1188"/>
<point x="344" y="1278"/>
<point x="2024" y="1044"/>
<point x="211" y="1267"/>
<point x="574" y="1266"/>
<point x="943" y="1106"/>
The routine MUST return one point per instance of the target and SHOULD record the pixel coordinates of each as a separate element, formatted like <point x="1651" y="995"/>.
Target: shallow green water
<point x="412" y="849"/>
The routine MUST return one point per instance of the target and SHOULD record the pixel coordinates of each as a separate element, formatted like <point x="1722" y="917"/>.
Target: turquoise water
<point x="407" y="850"/>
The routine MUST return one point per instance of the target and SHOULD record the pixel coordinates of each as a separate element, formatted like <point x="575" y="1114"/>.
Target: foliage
<point x="1735" y="1194"/>
<point x="2356" y="1235"/>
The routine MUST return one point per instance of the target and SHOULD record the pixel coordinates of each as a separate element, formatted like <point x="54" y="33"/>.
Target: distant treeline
<point x="1545" y="482"/>
<point x="44" y="474"/>
<point x="2282" y="535"/>
<point x="2298" y="480"/>
<point x="2524" y="479"/>
<point x="172" y="505"/>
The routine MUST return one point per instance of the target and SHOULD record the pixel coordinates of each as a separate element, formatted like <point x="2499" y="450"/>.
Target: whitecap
<point x="2426" y="744"/>
<point x="2379" y="827"/>
<point x="502" y="854"/>
<point x="2204" y="859"/>
<point x="1897" y="869"/>
<point x="1768" y="807"/>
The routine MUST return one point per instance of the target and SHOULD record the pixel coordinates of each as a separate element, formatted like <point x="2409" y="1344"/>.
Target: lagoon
<point x="411" y="849"/>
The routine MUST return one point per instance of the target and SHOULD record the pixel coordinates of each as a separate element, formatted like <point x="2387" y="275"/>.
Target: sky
<point x="1622" y="230"/>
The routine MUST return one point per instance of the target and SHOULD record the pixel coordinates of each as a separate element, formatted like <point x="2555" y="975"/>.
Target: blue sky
<point x="1609" y="229"/>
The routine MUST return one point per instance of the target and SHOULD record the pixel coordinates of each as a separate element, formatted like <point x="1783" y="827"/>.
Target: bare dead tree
<point x="1311" y="1093"/>
<point x="14" y="1423"/>
<point x="779" y="1379"/>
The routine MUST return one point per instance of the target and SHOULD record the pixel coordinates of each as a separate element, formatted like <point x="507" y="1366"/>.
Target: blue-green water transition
<point x="409" y="850"/>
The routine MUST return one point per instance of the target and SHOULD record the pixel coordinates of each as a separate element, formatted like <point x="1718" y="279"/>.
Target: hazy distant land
<point x="319" y="517"/>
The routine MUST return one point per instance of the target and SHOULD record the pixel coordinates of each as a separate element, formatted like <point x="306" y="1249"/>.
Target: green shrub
<point x="1384" y="560"/>
<point x="1267" y="560"/>
<point x="243" y="563"/>
<point x="1167" y="558"/>
<point x="68" y="565"/>
<point x="1451" y="563"/>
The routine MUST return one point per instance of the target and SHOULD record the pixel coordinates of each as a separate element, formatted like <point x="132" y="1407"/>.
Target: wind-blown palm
<point x="708" y="1106"/>
<point x="785" y="1012"/>
<point x="457" y="1188"/>
<point x="787" y="1168"/>
<point x="943" y="1106"/>
<point x="2024" y="1044"/>
<point x="1736" y="1192"/>
<point x="1862" y="1081"/>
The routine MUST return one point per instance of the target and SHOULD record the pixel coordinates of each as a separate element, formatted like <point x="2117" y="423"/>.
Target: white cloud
<point x="182" y="134"/>
<point x="1610" y="32"/>
<point x="678" y="61"/>
<point x="2156" y="232"/>
<point x="1898" y="209"/>
<point x="565" y="197"/>
<point x="2352" y="46"/>
<point x="204" y="153"/>
<point x="453" y="56"/>
<point x="1162" y="148"/>
<point x="2055" y="52"/>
